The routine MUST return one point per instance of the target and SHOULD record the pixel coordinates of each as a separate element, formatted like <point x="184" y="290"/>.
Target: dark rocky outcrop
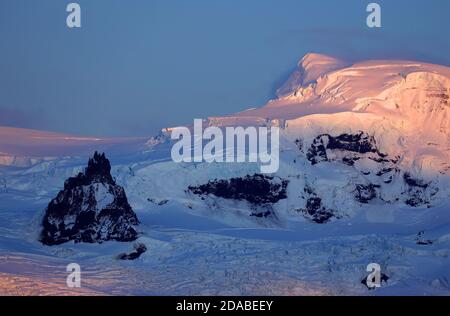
<point x="350" y="161"/>
<point x="414" y="182"/>
<point x="315" y="211"/>
<point x="383" y="277"/>
<point x="421" y="240"/>
<point x="256" y="189"/>
<point x="262" y="214"/>
<point x="91" y="208"/>
<point x="384" y="171"/>
<point x="354" y="144"/>
<point x="416" y="198"/>
<point x="139" y="249"/>
<point x="317" y="152"/>
<point x="359" y="143"/>
<point x="418" y="192"/>
<point x="158" y="202"/>
<point x="365" y="192"/>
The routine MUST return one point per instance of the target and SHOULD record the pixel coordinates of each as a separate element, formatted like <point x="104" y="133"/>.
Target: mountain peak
<point x="310" y="68"/>
<point x="315" y="58"/>
<point x="98" y="166"/>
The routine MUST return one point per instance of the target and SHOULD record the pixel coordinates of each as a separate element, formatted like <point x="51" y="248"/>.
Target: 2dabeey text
<point x="228" y="305"/>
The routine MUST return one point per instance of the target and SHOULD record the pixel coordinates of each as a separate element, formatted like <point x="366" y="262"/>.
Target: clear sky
<point x="138" y="65"/>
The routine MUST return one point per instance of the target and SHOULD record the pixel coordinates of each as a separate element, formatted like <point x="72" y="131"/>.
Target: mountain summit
<point x="99" y="169"/>
<point x="309" y="69"/>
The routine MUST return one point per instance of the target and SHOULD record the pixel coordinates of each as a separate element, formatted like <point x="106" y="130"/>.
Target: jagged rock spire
<point x="99" y="167"/>
<point x="91" y="208"/>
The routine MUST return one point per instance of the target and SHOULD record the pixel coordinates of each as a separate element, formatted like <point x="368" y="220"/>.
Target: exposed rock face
<point x="360" y="143"/>
<point x="261" y="192"/>
<point x="365" y="193"/>
<point x="139" y="249"/>
<point x="418" y="191"/>
<point x="91" y="208"/>
<point x="256" y="189"/>
<point x="314" y="209"/>
<point x="378" y="169"/>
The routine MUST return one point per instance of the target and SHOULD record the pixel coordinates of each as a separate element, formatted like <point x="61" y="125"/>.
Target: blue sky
<point x="138" y="65"/>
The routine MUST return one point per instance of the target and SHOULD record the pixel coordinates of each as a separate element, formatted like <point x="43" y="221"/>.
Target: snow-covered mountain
<point x="371" y="132"/>
<point x="365" y="149"/>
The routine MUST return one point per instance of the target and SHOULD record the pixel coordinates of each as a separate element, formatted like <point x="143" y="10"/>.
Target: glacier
<point x="365" y="154"/>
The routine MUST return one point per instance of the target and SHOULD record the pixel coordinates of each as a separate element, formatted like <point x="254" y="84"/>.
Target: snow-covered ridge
<point x="333" y="86"/>
<point x="310" y="68"/>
